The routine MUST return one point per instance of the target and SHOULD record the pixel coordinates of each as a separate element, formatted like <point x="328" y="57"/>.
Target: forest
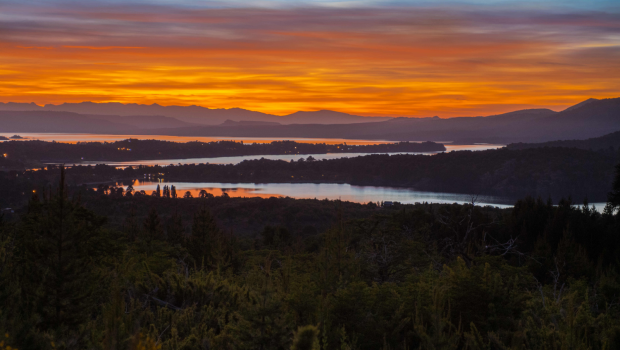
<point x="132" y="149"/>
<point x="101" y="269"/>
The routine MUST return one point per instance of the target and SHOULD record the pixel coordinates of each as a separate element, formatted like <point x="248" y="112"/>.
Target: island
<point x="133" y="149"/>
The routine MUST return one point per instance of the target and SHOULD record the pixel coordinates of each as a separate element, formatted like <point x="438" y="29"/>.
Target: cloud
<point x="386" y="60"/>
<point x="102" y="47"/>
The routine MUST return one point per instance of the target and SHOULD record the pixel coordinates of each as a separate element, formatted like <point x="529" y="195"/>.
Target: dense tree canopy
<point x="171" y="273"/>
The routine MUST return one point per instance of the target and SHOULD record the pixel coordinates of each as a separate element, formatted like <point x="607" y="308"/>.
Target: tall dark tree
<point x="204" y="238"/>
<point x="129" y="191"/>
<point x="176" y="230"/>
<point x="152" y="228"/>
<point x="131" y="226"/>
<point x="59" y="245"/>
<point x="613" y="200"/>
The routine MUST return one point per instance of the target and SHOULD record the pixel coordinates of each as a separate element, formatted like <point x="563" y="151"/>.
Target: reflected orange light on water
<point x="75" y="138"/>
<point x="149" y="186"/>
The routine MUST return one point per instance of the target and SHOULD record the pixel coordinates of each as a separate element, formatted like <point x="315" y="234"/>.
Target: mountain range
<point x="588" y="119"/>
<point x="193" y="114"/>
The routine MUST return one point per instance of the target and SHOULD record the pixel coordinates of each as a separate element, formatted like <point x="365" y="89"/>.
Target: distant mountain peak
<point x="581" y="104"/>
<point x="229" y="122"/>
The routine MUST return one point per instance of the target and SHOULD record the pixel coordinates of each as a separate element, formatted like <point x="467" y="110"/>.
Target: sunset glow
<point x="406" y="59"/>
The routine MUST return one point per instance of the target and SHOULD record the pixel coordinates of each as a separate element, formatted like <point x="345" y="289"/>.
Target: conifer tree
<point x="131" y="226"/>
<point x="204" y="238"/>
<point x="176" y="230"/>
<point x="613" y="200"/>
<point x="129" y="191"/>
<point x="306" y="338"/>
<point x="58" y="250"/>
<point x="152" y="227"/>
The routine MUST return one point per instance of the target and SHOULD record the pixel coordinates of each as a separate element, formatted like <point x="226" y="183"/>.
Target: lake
<point x="345" y="192"/>
<point x="239" y="159"/>
<point x="73" y="138"/>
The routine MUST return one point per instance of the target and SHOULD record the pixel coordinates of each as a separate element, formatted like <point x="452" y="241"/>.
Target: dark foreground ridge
<point x="107" y="271"/>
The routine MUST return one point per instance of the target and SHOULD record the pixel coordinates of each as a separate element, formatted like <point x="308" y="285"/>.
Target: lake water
<point x="345" y="192"/>
<point x="73" y="138"/>
<point x="239" y="159"/>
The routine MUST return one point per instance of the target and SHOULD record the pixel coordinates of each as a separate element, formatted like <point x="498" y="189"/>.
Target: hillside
<point x="607" y="142"/>
<point x="59" y="122"/>
<point x="593" y="119"/>
<point x="589" y="119"/>
<point x="192" y="114"/>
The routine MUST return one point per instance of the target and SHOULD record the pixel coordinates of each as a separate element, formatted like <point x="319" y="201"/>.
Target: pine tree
<point x="152" y="228"/>
<point x="131" y="226"/>
<point x="204" y="238"/>
<point x="306" y="338"/>
<point x="613" y="200"/>
<point x="129" y="192"/>
<point x="58" y="248"/>
<point x="176" y="230"/>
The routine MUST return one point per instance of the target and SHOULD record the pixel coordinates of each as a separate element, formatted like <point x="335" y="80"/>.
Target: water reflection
<point x="231" y="160"/>
<point x="345" y="192"/>
<point x="286" y="157"/>
<point x="74" y="138"/>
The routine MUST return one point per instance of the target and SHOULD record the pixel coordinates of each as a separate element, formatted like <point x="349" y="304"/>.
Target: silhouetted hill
<point x="592" y="118"/>
<point x="580" y="104"/>
<point x="328" y="117"/>
<point x="144" y="121"/>
<point x="58" y="122"/>
<point x="191" y="114"/>
<point x="245" y="122"/>
<point x="610" y="141"/>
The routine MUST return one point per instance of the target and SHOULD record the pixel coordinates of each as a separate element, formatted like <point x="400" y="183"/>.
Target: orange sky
<point x="405" y="61"/>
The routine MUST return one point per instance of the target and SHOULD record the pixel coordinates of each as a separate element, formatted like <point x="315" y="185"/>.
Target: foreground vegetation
<point x="421" y="276"/>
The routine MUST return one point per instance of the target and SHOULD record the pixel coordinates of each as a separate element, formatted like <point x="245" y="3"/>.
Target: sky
<point x="375" y="58"/>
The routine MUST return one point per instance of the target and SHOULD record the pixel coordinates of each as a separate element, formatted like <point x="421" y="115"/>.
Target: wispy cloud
<point x="379" y="58"/>
<point x="102" y="47"/>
